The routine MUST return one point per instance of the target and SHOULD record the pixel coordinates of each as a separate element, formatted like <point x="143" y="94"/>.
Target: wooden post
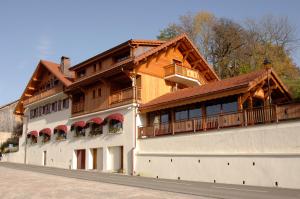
<point x="203" y="109"/>
<point x="172" y="120"/>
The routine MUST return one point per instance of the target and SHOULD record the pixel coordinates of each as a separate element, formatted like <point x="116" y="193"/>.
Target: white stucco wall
<point x="61" y="153"/>
<point x="259" y="155"/>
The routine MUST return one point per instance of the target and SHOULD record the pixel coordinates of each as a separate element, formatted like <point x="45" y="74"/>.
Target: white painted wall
<point x="114" y="158"/>
<point x="274" y="150"/>
<point x="61" y="153"/>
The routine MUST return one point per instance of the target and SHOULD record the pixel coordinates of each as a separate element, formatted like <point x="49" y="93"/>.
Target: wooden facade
<point x="142" y="71"/>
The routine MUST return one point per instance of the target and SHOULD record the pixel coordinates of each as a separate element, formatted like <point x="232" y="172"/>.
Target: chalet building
<point x="157" y="109"/>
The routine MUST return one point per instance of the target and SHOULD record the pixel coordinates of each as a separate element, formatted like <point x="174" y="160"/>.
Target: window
<point x="115" y="126"/>
<point x="164" y="118"/>
<point x="229" y="107"/>
<point x="79" y="131"/>
<point x="195" y="113"/>
<point x="40" y="111"/>
<point x="213" y="109"/>
<point x="66" y="103"/>
<point x="100" y="65"/>
<point x="99" y="92"/>
<point x="59" y="105"/>
<point x="81" y="73"/>
<point x="95" y="129"/>
<point x="95" y="67"/>
<point x="56" y="82"/>
<point x="153" y="118"/>
<point x="181" y="115"/>
<point x="94" y="94"/>
<point x="54" y="106"/>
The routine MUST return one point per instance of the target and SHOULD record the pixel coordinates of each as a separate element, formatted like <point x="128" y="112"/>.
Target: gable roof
<point x="183" y="38"/>
<point x="117" y="48"/>
<point x="51" y="67"/>
<point x="54" y="69"/>
<point x="239" y="84"/>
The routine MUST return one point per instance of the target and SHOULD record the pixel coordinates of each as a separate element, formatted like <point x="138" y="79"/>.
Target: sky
<point x="33" y="29"/>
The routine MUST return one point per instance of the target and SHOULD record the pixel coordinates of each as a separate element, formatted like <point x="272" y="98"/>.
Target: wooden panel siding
<point x="43" y="95"/>
<point x="153" y="87"/>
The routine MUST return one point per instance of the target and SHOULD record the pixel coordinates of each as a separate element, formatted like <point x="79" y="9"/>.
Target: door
<point x="44" y="158"/>
<point x="80" y="159"/>
<point x="94" y="158"/>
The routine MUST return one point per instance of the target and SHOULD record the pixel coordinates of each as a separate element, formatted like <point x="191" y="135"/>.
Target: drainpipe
<point x="26" y="140"/>
<point x="134" y="120"/>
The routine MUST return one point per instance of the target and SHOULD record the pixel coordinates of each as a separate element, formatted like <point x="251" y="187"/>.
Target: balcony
<point x="42" y="95"/>
<point x="249" y="117"/>
<point x="78" y="107"/>
<point x="123" y="96"/>
<point x="183" y="75"/>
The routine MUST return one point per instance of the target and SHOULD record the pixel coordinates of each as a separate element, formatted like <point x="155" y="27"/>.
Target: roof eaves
<point x="143" y="107"/>
<point x="102" y="54"/>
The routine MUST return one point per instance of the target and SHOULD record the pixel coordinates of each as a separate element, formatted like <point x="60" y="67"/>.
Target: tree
<point x="235" y="48"/>
<point x="168" y="33"/>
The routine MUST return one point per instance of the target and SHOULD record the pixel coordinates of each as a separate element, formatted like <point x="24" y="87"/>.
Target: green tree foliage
<point x="236" y="48"/>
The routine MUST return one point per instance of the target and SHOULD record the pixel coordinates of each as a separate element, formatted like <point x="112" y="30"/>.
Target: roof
<point x="245" y="81"/>
<point x="8" y="104"/>
<point x="182" y="37"/>
<point x="118" y="47"/>
<point x="54" y="69"/>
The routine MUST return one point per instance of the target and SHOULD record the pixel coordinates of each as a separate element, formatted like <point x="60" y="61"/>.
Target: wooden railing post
<point x="245" y="118"/>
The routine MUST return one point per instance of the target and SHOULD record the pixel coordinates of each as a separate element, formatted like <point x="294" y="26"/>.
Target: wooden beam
<point x="244" y="97"/>
<point x="167" y="51"/>
<point x="176" y="46"/>
<point x="159" y="54"/>
<point x="195" y="62"/>
<point x="188" y="52"/>
<point x="27" y="95"/>
<point x="31" y="88"/>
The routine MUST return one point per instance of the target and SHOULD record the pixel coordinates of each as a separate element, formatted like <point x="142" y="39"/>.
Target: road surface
<point x="185" y="189"/>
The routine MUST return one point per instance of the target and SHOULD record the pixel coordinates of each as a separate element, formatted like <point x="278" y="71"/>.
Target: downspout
<point x="26" y="140"/>
<point x="134" y="121"/>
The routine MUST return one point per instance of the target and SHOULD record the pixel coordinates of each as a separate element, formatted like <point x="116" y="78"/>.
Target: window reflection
<point x="195" y="113"/>
<point x="229" y="107"/>
<point x="164" y="118"/>
<point x="213" y="109"/>
<point x="181" y="115"/>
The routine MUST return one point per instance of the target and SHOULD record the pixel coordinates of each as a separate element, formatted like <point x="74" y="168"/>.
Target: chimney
<point x="65" y="64"/>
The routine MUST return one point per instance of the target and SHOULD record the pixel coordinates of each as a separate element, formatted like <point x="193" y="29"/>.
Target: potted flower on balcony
<point x="115" y="126"/>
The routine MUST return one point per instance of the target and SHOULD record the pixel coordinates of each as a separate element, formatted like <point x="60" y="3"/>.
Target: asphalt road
<point x="212" y="190"/>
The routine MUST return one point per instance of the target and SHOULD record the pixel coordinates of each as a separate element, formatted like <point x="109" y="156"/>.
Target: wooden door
<point x="94" y="158"/>
<point x="80" y="159"/>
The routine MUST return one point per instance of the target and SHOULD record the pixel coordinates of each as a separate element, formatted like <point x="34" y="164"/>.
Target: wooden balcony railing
<point x="262" y="115"/>
<point x="43" y="95"/>
<point x="78" y="107"/>
<point x="124" y="95"/>
<point x="175" y="69"/>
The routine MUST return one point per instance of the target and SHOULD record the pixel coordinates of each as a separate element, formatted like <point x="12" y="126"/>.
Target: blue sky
<point x="33" y="30"/>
